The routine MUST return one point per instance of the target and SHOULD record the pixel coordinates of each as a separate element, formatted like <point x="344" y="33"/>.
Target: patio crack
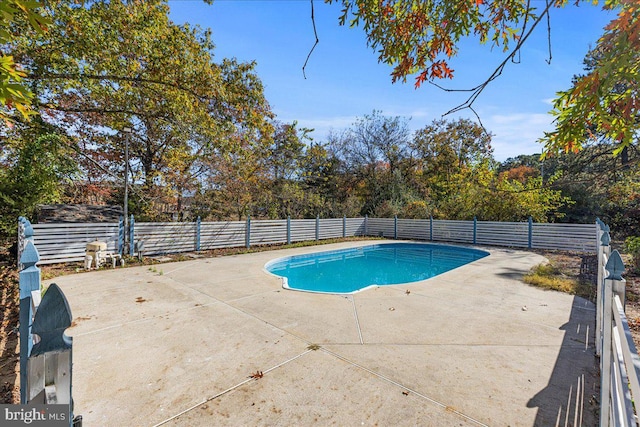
<point x="355" y="315"/>
<point x="229" y="390"/>
<point x="407" y="389"/>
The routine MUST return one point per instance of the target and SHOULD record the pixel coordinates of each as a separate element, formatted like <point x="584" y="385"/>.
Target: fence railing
<point x="619" y="361"/>
<point x="67" y="242"/>
<point x="45" y="350"/>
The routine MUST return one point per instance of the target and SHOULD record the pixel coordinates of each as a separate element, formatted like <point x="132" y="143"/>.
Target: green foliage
<point x="13" y="91"/>
<point x="420" y="36"/>
<point x="632" y="246"/>
<point x="205" y="143"/>
<point x="416" y="209"/>
<point x="35" y="169"/>
<point x="107" y="65"/>
<point x="605" y="102"/>
<point x="621" y="205"/>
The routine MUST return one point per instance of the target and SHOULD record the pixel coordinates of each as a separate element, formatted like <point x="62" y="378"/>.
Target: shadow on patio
<point x="570" y="398"/>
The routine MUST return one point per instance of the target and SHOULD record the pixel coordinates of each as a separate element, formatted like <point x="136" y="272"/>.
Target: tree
<point x="35" y="166"/>
<point x="419" y="37"/>
<point x="443" y="150"/>
<point x="374" y="148"/>
<point x="605" y="102"/>
<point x="107" y="65"/>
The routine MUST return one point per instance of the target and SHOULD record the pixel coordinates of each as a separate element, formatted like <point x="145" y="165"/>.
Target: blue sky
<point x="345" y="81"/>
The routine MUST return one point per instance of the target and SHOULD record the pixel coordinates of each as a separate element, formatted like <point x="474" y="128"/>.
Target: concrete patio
<point x="177" y="345"/>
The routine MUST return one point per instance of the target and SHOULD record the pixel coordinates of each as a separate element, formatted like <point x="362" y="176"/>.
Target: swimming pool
<point x="351" y="270"/>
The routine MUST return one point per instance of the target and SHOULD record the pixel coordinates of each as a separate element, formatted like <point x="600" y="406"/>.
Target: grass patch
<point x="550" y="277"/>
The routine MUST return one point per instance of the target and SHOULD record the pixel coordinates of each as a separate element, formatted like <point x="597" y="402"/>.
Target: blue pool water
<point x="350" y="270"/>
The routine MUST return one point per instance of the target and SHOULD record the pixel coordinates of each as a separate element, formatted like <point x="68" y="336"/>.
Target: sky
<point x="344" y="80"/>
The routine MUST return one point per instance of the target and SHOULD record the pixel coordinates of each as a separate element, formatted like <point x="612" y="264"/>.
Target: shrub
<point x="632" y="246"/>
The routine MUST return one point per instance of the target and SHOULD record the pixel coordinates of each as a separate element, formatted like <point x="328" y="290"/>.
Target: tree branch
<point x="549" y="33"/>
<point x="477" y="90"/>
<point x="114" y="78"/>
<point x="315" y="33"/>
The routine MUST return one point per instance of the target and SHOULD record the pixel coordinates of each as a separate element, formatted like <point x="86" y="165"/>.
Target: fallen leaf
<point x="257" y="375"/>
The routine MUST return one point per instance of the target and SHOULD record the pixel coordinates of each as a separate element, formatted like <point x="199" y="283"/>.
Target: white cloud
<point x="517" y="133"/>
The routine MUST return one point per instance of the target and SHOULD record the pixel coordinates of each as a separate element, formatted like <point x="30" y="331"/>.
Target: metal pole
<point x="127" y="130"/>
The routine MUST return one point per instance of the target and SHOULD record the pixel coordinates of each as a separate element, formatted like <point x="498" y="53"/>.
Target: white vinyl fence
<point x="46" y="360"/>
<point x="619" y="361"/>
<point x="67" y="242"/>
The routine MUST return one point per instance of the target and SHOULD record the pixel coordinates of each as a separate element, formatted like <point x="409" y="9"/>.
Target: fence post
<point x="50" y="362"/>
<point x="366" y="218"/>
<point x="603" y="251"/>
<point x="21" y="238"/>
<point x="598" y="233"/>
<point x="344" y="226"/>
<point x="132" y="235"/>
<point x="530" y="244"/>
<point x="475" y="229"/>
<point x="25" y="234"/>
<point x="615" y="267"/>
<point x="198" y="222"/>
<point x="288" y="229"/>
<point x="395" y="227"/>
<point x="317" y="227"/>
<point x="605" y="360"/>
<point x="29" y="283"/>
<point x="247" y="233"/>
<point x="430" y="228"/>
<point x="121" y="236"/>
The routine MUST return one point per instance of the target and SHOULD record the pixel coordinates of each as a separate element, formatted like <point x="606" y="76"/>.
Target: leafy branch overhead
<point x="13" y="93"/>
<point x="419" y="38"/>
<point x="604" y="103"/>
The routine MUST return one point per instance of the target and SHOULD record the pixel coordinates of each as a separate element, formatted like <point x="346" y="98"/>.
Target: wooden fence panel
<point x="355" y="227"/>
<point x="166" y="237"/>
<point x="45" y="349"/>
<point x="303" y="229"/>
<point x="66" y="242"/>
<point x="413" y="229"/>
<point x="265" y="232"/>
<point x="229" y="234"/>
<point x="511" y="234"/>
<point x="382" y="227"/>
<point x="453" y="231"/>
<point x="566" y="237"/>
<point x="330" y="228"/>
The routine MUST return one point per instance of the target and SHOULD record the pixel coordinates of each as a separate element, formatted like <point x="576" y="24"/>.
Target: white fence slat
<point x="66" y="242"/>
<point x="268" y="232"/>
<point x="303" y="229"/>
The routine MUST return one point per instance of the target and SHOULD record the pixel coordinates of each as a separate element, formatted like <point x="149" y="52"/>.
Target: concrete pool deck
<point x="176" y="345"/>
